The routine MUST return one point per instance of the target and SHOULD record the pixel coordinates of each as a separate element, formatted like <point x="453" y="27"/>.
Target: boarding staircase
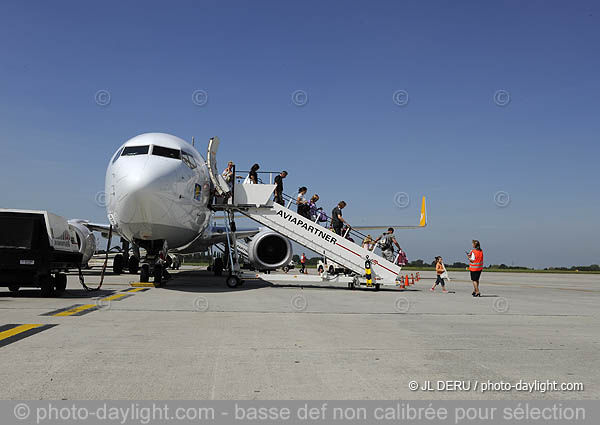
<point x="242" y="248"/>
<point x="319" y="239"/>
<point x="255" y="202"/>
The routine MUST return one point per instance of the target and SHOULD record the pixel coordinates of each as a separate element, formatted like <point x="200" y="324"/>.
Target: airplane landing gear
<point x="154" y="265"/>
<point x="233" y="281"/>
<point x="118" y="264"/>
<point x="145" y="273"/>
<point x="133" y="265"/>
<point x="218" y="267"/>
<point x="158" y="275"/>
<point x="175" y="262"/>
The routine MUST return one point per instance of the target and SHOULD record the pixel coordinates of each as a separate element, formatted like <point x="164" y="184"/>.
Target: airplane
<point x="158" y="197"/>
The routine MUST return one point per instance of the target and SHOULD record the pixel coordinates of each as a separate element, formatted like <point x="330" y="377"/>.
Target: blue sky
<point x="350" y="141"/>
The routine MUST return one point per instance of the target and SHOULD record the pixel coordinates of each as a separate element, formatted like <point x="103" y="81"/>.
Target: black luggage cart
<point x="36" y="248"/>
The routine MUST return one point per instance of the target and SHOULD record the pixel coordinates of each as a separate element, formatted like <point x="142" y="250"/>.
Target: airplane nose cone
<point x="144" y="193"/>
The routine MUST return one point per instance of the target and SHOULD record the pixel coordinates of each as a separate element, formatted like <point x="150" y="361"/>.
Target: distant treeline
<point x="426" y="265"/>
<point x="592" y="268"/>
<point x="460" y="265"/>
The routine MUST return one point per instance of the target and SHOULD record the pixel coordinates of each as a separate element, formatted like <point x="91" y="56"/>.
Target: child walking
<point x="440" y="270"/>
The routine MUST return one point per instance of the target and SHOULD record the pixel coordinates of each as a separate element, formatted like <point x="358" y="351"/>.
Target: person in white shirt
<point x="367" y="243"/>
<point x="228" y="174"/>
<point x="302" y="203"/>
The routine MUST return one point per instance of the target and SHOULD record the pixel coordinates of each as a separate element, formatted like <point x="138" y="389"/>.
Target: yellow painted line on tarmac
<point x="18" y="330"/>
<point x="75" y="310"/>
<point x="142" y="284"/>
<point x="81" y="309"/>
<point x="114" y="297"/>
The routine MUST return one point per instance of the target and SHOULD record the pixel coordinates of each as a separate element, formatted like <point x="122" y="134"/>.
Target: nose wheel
<point x="158" y="275"/>
<point x="233" y="281"/>
<point x="133" y="264"/>
<point x="145" y="273"/>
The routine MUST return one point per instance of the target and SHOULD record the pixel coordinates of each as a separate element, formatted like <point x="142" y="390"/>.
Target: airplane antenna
<point x="192" y="140"/>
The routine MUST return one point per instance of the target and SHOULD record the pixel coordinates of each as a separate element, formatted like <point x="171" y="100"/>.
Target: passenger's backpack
<point x="385" y="243"/>
<point x="322" y="216"/>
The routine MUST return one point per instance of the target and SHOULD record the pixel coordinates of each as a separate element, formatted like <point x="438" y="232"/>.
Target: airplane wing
<point x="94" y="227"/>
<point x="218" y="234"/>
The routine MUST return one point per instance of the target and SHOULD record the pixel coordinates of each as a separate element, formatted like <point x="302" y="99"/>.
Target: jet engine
<point x="269" y="250"/>
<point x="85" y="240"/>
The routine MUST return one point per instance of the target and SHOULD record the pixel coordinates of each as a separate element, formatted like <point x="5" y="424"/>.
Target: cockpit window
<point x="117" y="155"/>
<point x="188" y="159"/>
<point x="135" y="150"/>
<point x="166" y="152"/>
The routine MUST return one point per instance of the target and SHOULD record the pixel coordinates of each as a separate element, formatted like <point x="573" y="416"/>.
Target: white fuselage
<point x="158" y="188"/>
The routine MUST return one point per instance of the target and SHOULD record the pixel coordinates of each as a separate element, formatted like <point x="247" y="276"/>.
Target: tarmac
<point x="282" y="338"/>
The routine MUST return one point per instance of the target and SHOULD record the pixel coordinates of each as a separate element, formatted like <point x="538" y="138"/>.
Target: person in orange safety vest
<point x="475" y="265"/>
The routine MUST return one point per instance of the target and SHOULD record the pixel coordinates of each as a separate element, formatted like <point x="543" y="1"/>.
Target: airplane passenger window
<point x="166" y="152"/>
<point x="188" y="160"/>
<point x="135" y="150"/>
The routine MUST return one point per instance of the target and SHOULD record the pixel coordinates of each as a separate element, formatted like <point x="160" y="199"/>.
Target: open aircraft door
<point x="216" y="178"/>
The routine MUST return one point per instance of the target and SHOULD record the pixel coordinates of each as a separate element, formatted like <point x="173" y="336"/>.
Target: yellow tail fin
<point x="423" y="219"/>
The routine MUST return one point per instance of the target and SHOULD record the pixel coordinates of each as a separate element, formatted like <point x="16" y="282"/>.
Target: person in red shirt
<point x="475" y="266"/>
<point x="303" y="263"/>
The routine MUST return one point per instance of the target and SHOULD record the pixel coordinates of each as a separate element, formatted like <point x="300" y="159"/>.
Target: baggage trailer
<point x="36" y="247"/>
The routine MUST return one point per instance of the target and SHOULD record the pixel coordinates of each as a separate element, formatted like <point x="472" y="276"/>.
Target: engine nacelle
<point x="269" y="250"/>
<point x="85" y="240"/>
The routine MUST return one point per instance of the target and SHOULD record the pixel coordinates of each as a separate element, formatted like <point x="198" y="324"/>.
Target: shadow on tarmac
<point x="68" y="294"/>
<point x="195" y="281"/>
